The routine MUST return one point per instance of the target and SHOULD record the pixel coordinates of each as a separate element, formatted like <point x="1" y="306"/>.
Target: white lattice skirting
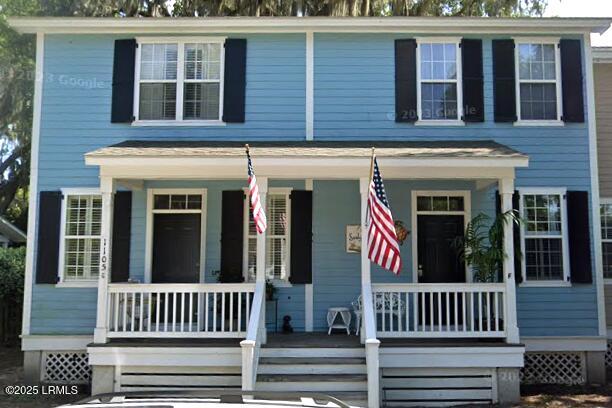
<point x="65" y="367"/>
<point x="609" y="355"/>
<point x="554" y="368"/>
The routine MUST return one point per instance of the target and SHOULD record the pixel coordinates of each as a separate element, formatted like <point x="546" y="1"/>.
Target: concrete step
<point x="312" y="382"/>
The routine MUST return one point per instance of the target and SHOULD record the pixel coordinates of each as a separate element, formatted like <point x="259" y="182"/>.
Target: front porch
<point x="419" y="306"/>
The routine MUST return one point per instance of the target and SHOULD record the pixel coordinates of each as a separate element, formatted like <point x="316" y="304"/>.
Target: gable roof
<point x="421" y="25"/>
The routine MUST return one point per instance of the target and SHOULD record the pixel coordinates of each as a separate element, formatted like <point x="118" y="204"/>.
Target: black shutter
<point x="301" y="237"/>
<point x="122" y="110"/>
<point x="473" y="97"/>
<point x="405" y="81"/>
<point x="571" y="80"/>
<point x="504" y="92"/>
<point x="122" y="232"/>
<point x="579" y="236"/>
<point x="49" y="220"/>
<point x="234" y="90"/>
<point x="516" y="230"/>
<point x="232" y="218"/>
<point x="516" y="233"/>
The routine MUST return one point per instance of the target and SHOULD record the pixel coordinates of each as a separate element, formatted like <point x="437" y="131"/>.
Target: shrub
<point x="12" y="268"/>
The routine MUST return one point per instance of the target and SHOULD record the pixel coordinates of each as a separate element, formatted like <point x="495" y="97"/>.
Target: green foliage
<point x="12" y="267"/>
<point x="482" y="246"/>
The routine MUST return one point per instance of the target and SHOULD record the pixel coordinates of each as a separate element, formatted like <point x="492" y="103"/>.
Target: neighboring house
<point x="602" y="58"/>
<point x="10" y="235"/>
<point x="138" y="200"/>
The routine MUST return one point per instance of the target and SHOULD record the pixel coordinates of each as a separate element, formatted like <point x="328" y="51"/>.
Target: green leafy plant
<point x="482" y="246"/>
<point x="270" y="290"/>
<point x="12" y="266"/>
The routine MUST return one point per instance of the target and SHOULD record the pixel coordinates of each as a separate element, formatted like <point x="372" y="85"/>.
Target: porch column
<point x="260" y="265"/>
<point x="107" y="189"/>
<point x="364" y="184"/>
<point x="506" y="190"/>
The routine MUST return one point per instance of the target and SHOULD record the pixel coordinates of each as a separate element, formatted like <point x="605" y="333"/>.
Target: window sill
<point x="607" y="281"/>
<point x="77" y="284"/>
<point x="439" y="123"/>
<point x="193" y="123"/>
<point x="281" y="283"/>
<point x="545" y="284"/>
<point x="539" y="123"/>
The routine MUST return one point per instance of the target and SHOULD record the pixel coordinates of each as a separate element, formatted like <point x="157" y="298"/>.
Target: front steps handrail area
<point x="372" y="345"/>
<point x="256" y="335"/>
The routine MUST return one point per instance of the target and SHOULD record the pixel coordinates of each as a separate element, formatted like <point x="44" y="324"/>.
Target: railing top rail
<point x="254" y="319"/>
<point x="181" y="287"/>
<point x="438" y="287"/>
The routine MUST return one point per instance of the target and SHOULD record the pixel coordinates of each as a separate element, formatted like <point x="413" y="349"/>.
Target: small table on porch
<point x="345" y="319"/>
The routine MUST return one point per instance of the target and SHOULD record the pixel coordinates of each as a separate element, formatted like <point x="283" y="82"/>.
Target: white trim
<point x="559" y="343"/>
<point x="245" y="240"/>
<point x="562" y="193"/>
<point x="89" y="283"/>
<point x="457" y="81"/>
<point x="416" y="25"/>
<point x="55" y="342"/>
<point x="467" y="216"/>
<point x="165" y="356"/>
<point x="450" y="357"/>
<point x="33" y="190"/>
<point x="554" y="41"/>
<point x="309" y="85"/>
<point x="308" y="307"/>
<point x="180" y="80"/>
<point x="149" y="226"/>
<point x="591" y="117"/>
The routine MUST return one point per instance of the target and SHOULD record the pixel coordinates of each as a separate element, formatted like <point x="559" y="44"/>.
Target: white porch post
<point x="260" y="266"/>
<point x="364" y="184"/>
<point x="506" y="190"/>
<point x="107" y="189"/>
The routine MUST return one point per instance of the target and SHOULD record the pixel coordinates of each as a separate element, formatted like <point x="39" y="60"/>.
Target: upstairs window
<point x="179" y="81"/>
<point x="439" y="96"/>
<point x="538" y="86"/>
<point x="606" y="238"/>
<point x="544" y="243"/>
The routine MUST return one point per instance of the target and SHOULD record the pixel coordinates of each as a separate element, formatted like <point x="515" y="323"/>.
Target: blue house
<point x="144" y="268"/>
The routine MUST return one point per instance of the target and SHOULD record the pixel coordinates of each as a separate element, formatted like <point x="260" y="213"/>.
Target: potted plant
<point x="270" y="290"/>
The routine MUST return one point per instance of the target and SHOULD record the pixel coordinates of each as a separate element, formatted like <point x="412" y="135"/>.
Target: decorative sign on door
<point x="353" y="239"/>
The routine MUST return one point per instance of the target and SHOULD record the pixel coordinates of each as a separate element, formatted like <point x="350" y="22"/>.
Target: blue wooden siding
<point x="354" y="100"/>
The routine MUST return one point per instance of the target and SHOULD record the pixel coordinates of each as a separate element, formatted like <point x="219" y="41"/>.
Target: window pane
<point x="606" y="221"/>
<point x="537" y="61"/>
<point x="424" y="204"/>
<point x="538" y="101"/>
<point x="83" y="219"/>
<point x="161" y="201"/>
<point x="201" y="101"/>
<point x="194" y="202"/>
<point x="178" y="202"/>
<point x="158" y="61"/>
<point x="157" y="101"/>
<point x="455" y="203"/>
<point x="440" y="203"/>
<point x="439" y="101"/>
<point x="276" y="255"/>
<point x="542" y="214"/>
<point x="544" y="258"/>
<point x="438" y="61"/>
<point x="202" y="61"/>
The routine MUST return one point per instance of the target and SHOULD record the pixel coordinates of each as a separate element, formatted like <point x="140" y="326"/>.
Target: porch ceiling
<point x="306" y="159"/>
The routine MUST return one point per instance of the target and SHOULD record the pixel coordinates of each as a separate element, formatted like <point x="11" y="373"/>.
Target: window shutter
<point x="504" y="98"/>
<point x="122" y="227"/>
<point x="301" y="237"/>
<point x="405" y="81"/>
<point x="571" y="80"/>
<point x="473" y="97"/>
<point x="579" y="236"/>
<point x="49" y="224"/>
<point x="234" y="88"/>
<point x="232" y="219"/>
<point x="122" y="110"/>
<point x="516" y="233"/>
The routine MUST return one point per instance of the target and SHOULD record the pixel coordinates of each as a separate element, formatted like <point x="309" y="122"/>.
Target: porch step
<point x="312" y="365"/>
<point x="305" y="352"/>
<point x="328" y="383"/>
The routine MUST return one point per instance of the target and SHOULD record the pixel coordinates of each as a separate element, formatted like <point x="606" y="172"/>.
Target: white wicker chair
<point x="387" y="302"/>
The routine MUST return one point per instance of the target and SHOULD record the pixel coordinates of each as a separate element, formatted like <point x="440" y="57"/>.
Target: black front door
<point x="438" y="259"/>
<point x="176" y="248"/>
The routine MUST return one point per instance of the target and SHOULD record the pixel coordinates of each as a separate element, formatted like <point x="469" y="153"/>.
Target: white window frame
<point x="459" y="81"/>
<point x="602" y="202"/>
<point x="245" y="246"/>
<point x="62" y="282"/>
<point x="151" y="192"/>
<point x="517" y="80"/>
<point x="180" y="81"/>
<point x="562" y="193"/>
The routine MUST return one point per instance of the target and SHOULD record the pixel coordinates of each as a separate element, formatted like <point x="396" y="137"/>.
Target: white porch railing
<point x="256" y="335"/>
<point x="440" y="309"/>
<point x="178" y="310"/>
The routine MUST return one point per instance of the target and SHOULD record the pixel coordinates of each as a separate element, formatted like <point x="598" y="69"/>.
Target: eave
<point x="421" y="25"/>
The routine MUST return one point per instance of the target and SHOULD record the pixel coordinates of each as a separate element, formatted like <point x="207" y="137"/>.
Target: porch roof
<point x="294" y="157"/>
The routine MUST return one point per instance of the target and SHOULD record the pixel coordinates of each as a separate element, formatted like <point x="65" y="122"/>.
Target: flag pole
<point x="372" y="163"/>
<point x="246" y="146"/>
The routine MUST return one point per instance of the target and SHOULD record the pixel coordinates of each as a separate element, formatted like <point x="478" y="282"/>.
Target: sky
<point x="583" y="8"/>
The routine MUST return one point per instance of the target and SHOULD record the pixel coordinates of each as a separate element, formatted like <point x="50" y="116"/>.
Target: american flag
<point x="383" y="248"/>
<point x="259" y="216"/>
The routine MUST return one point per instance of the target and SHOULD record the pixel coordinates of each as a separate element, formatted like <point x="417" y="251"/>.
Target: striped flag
<point x="259" y="216"/>
<point x="383" y="248"/>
